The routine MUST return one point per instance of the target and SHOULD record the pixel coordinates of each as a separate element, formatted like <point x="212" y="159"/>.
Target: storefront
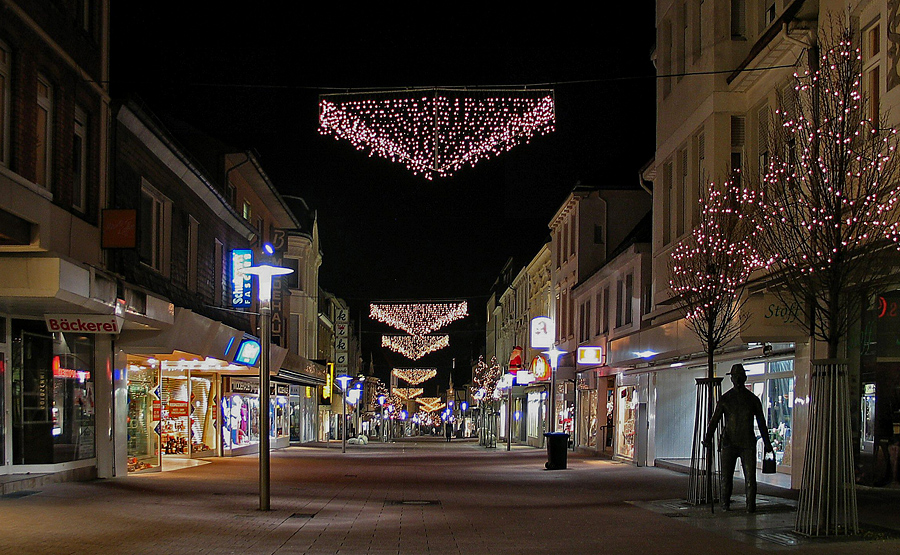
<point x="241" y="414"/>
<point x="587" y="424"/>
<point x="51" y="394"/>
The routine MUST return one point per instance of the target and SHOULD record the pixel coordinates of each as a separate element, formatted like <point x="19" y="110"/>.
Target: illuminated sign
<point x="247" y="352"/>
<point x="590" y="355"/>
<point x="543" y="332"/>
<point x="83" y="323"/>
<point x="329" y="381"/>
<point x="524" y="378"/>
<point x="241" y="282"/>
<point x="540" y="368"/>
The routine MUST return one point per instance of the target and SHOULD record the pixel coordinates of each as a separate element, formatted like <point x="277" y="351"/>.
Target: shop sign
<point x="543" y="332"/>
<point x="590" y="355"/>
<point x="157" y="411"/>
<point x="241" y="283"/>
<point x="178" y="409"/>
<point x="771" y="319"/>
<point x="887" y="318"/>
<point x="524" y="378"/>
<point x="84" y="323"/>
<point x="282" y="389"/>
<point x="329" y="381"/>
<point x="540" y="368"/>
<point x="248" y="352"/>
<point x="237" y="385"/>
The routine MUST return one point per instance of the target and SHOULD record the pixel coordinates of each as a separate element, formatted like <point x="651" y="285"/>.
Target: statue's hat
<point x="738" y="370"/>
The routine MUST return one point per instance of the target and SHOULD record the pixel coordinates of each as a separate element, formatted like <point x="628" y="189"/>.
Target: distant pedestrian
<point x="448" y="430"/>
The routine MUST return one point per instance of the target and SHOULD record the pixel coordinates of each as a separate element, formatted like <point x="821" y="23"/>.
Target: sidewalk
<point x="413" y="497"/>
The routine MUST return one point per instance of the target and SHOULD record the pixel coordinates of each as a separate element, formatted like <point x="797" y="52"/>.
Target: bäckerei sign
<point x="83" y="323"/>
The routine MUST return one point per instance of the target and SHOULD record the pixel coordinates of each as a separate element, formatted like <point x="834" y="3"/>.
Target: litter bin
<point x="557" y="450"/>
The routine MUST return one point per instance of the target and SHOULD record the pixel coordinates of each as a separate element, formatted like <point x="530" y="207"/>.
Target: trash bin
<point x="557" y="450"/>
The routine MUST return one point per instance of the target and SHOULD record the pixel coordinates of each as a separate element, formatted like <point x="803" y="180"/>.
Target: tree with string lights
<point x="708" y="271"/>
<point x="827" y="215"/>
<point x="485" y="378"/>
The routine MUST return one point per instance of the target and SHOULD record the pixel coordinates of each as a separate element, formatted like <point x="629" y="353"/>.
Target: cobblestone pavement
<point x="413" y="497"/>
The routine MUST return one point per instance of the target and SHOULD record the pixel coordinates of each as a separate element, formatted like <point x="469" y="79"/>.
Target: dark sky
<point x="252" y="76"/>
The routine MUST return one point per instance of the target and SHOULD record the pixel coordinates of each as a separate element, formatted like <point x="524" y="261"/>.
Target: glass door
<point x="144" y="413"/>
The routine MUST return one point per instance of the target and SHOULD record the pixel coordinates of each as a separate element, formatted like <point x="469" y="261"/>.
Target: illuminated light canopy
<point x="418" y="318"/>
<point x="408" y="393"/>
<point x="415" y="376"/>
<point x="436" y="132"/>
<point x="415" y="346"/>
<point x="431" y="404"/>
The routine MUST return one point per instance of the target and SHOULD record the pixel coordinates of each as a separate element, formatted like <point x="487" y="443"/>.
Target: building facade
<point x="58" y="304"/>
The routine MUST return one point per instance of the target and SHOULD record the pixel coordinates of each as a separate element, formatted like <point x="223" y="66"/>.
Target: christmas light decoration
<point x="415" y="346"/>
<point x="431" y="404"/>
<point x="415" y="376"/>
<point x="485" y="377"/>
<point x="436" y="132"/>
<point x="418" y="318"/>
<point x="408" y="393"/>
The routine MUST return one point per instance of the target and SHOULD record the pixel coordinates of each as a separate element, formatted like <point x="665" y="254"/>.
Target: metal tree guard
<point x="827" y="504"/>
<point x="705" y="484"/>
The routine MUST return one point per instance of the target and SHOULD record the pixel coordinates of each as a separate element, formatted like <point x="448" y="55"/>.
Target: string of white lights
<point x="438" y="132"/>
<point x="418" y="318"/>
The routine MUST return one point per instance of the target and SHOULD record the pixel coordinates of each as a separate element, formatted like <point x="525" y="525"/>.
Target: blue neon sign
<point x="241" y="283"/>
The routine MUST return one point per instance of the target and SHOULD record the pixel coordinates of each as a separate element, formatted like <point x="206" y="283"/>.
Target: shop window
<point x="773" y="383"/>
<point x="52" y="395"/>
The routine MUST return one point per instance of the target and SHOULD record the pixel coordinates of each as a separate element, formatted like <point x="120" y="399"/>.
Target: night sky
<point x="252" y="77"/>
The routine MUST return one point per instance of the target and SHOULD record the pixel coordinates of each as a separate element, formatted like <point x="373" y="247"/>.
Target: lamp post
<point x="265" y="273"/>
<point x="553" y="354"/>
<point x="344" y="381"/>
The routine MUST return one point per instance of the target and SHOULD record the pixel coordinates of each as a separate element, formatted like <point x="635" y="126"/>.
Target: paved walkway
<point x="413" y="497"/>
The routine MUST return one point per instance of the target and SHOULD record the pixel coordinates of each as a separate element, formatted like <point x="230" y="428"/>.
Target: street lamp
<point x="553" y="354"/>
<point x="265" y="273"/>
<point x="344" y="381"/>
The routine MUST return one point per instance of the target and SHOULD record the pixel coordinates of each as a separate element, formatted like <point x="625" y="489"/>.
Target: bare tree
<point x="827" y="213"/>
<point x="708" y="271"/>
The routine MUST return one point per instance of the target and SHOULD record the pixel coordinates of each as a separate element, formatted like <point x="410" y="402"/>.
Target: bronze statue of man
<point x="740" y="407"/>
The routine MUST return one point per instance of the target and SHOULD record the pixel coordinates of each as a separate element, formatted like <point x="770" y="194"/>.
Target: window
<point x="763" y="142"/>
<point x="768" y="14"/>
<point x="667" y="198"/>
<point x="620" y="293"/>
<point x="559" y="247"/>
<point x="682" y="42"/>
<point x="572" y="237"/>
<point x="605" y="315"/>
<point x="247" y="212"/>
<point x="738" y="18"/>
<point x="155" y="224"/>
<point x="5" y="63"/>
<point x="681" y="193"/>
<point x="872" y="71"/>
<point x="44" y="133"/>
<point x="701" y="177"/>
<point x="737" y="147"/>
<point x="628" y="301"/>
<point x="598" y="234"/>
<point x="665" y="57"/>
<point x="79" y="161"/>
<point x="585" y="323"/>
<point x="219" y="277"/>
<point x="192" y="252"/>
<point x="598" y="302"/>
<point x="698" y="30"/>
<point x="565" y="245"/>
<point x="564" y="319"/>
